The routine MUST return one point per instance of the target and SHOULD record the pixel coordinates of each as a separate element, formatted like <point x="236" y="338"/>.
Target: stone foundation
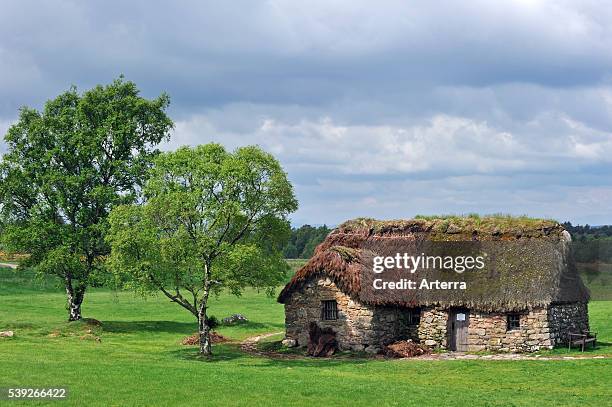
<point x="360" y="327"/>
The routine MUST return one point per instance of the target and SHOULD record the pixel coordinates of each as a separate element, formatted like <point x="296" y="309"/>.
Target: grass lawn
<point x="598" y="277"/>
<point x="139" y="360"/>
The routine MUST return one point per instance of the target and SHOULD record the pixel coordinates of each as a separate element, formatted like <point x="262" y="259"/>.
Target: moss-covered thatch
<point x="529" y="262"/>
<point x="454" y="227"/>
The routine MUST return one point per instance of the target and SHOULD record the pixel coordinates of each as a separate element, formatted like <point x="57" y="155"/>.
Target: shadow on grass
<point x="185" y="328"/>
<point x="221" y="353"/>
<point x="231" y="352"/>
<point x="251" y="326"/>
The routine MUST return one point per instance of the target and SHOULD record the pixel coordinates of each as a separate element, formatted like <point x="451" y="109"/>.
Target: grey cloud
<point x="314" y="53"/>
<point x="382" y="110"/>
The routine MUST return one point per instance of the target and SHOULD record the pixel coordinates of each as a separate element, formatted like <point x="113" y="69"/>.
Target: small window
<point x="329" y="310"/>
<point x="414" y="316"/>
<point x="513" y="322"/>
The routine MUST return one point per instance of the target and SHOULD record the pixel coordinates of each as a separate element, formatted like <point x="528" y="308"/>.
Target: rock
<point x="372" y="349"/>
<point x="430" y="342"/>
<point x="290" y="343"/>
<point x="7" y="334"/>
<point x="235" y="318"/>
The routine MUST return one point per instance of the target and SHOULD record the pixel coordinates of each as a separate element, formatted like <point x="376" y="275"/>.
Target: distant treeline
<point x="304" y="240"/>
<point x="585" y="232"/>
<point x="592" y="244"/>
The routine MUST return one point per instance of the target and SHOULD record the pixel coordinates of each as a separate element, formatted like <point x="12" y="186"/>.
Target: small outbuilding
<point x="527" y="297"/>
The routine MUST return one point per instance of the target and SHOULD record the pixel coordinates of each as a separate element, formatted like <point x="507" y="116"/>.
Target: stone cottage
<point x="527" y="296"/>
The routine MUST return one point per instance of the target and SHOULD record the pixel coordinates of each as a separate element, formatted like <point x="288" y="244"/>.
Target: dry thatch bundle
<point x="195" y="339"/>
<point x="529" y="262"/>
<point x="406" y="349"/>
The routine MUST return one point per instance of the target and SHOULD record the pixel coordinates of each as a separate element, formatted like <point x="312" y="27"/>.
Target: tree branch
<point x="178" y="298"/>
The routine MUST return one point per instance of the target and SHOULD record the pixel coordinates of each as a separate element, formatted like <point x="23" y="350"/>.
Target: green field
<point x="598" y="277"/>
<point x="139" y="361"/>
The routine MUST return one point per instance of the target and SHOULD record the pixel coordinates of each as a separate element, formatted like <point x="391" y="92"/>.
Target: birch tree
<point x="211" y="220"/>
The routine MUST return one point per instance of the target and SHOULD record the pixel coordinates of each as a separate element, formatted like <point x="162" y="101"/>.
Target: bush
<point x="213" y="322"/>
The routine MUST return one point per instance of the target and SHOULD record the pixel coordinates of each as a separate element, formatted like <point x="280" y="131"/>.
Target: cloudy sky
<point x="383" y="109"/>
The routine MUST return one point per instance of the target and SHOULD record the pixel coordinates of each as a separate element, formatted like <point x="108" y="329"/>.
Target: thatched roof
<point x="529" y="262"/>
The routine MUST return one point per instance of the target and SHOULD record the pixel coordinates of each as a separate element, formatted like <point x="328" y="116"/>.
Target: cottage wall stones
<point x="432" y="330"/>
<point x="489" y="331"/>
<point x="359" y="327"/>
<point x="362" y="327"/>
<point x="567" y="318"/>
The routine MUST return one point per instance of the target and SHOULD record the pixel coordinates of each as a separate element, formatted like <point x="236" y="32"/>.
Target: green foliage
<point x="295" y="265"/>
<point x="588" y="232"/>
<point x="591" y="244"/>
<point x="304" y="240"/>
<point x="67" y="167"/>
<point x="213" y="322"/>
<point x="212" y="220"/>
<point x="290" y="251"/>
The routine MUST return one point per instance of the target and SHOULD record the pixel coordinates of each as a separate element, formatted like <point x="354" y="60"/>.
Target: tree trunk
<point x="203" y="325"/>
<point x="75" y="299"/>
<point x="204" y="330"/>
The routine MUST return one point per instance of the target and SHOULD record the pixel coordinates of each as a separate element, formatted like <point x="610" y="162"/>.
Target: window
<point x="513" y="322"/>
<point x="414" y="316"/>
<point x="329" y="310"/>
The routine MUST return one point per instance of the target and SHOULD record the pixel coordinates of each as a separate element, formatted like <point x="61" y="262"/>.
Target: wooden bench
<point x="581" y="339"/>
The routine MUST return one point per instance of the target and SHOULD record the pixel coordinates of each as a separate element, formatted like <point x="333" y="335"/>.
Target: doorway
<point x="459" y="320"/>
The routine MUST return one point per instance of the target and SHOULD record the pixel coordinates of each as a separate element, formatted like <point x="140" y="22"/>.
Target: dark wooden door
<point x="459" y="322"/>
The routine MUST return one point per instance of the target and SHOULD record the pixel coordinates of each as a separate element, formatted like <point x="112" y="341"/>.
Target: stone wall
<point x="540" y="328"/>
<point x="488" y="331"/>
<point x="432" y="330"/>
<point x="566" y="318"/>
<point x="359" y="327"/>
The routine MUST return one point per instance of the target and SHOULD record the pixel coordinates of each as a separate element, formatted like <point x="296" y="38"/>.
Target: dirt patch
<point x="195" y="339"/>
<point x="85" y="329"/>
<point x="249" y="345"/>
<point x="504" y="356"/>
